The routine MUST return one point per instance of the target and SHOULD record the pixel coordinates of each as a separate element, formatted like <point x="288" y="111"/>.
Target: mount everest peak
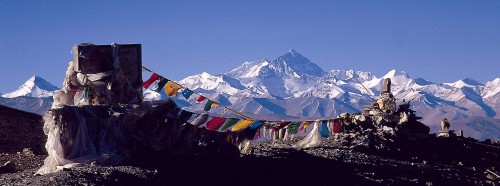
<point x="33" y="87"/>
<point x="298" y="63"/>
<point x="290" y="64"/>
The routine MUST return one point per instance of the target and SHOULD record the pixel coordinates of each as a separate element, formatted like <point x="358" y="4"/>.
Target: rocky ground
<point x="360" y="159"/>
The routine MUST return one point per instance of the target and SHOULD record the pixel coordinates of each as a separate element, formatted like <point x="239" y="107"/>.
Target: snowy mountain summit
<point x="34" y="87"/>
<point x="290" y="64"/>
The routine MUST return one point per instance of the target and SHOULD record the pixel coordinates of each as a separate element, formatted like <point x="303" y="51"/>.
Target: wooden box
<point x="110" y="83"/>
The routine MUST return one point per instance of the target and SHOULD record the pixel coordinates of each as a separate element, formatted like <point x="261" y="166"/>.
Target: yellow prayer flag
<point x="243" y="124"/>
<point x="306" y="123"/>
<point x="171" y="88"/>
<point x="215" y="105"/>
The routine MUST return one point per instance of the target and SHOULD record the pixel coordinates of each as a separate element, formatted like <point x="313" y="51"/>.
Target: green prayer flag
<point x="229" y="123"/>
<point x="161" y="83"/>
<point x="293" y="127"/>
<point x="208" y="105"/>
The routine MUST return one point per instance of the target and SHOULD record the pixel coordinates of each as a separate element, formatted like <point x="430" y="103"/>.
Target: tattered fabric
<point x="313" y="139"/>
<point x="93" y="133"/>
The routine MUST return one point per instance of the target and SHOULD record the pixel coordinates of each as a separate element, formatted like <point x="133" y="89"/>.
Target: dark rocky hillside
<point x="19" y="130"/>
<point x="360" y="159"/>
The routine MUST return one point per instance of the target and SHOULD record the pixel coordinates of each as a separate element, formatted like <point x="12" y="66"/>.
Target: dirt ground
<point x="386" y="160"/>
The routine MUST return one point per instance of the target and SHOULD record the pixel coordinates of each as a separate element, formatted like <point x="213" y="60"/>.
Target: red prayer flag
<point x="283" y="124"/>
<point x="257" y="134"/>
<point x="201" y="98"/>
<point x="151" y="80"/>
<point x="215" y="123"/>
<point x="336" y="126"/>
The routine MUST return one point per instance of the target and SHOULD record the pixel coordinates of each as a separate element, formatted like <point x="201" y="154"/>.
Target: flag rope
<point x="236" y="112"/>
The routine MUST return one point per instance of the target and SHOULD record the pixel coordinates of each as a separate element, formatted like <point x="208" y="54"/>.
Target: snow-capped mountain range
<point x="292" y="87"/>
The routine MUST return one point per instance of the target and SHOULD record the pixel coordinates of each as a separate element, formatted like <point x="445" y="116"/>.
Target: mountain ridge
<point x="33" y="87"/>
<point x="281" y="88"/>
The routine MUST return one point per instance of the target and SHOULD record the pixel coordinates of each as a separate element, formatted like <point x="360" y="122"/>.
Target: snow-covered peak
<point x="206" y="81"/>
<point x="397" y="77"/>
<point x="34" y="87"/>
<point x="291" y="64"/>
<point x="466" y="82"/>
<point x="348" y="74"/>
<point x="491" y="88"/>
<point x="298" y="63"/>
<point x="495" y="82"/>
<point x="248" y="69"/>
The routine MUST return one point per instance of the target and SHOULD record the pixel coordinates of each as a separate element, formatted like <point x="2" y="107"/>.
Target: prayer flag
<point x="150" y="81"/>
<point x="208" y="105"/>
<point x="337" y="127"/>
<point x="215" y="105"/>
<point x="243" y="124"/>
<point x="257" y="135"/>
<point x="215" y="123"/>
<point x="293" y="127"/>
<point x="161" y="83"/>
<point x="324" y="129"/>
<point x="256" y="124"/>
<point x="283" y="124"/>
<point x="229" y="123"/>
<point x="187" y="93"/>
<point x="201" y="98"/>
<point x="172" y="88"/>
<point x="200" y="119"/>
<point x="304" y="125"/>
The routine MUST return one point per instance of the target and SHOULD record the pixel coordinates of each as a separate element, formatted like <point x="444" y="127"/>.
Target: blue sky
<point x="441" y="41"/>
